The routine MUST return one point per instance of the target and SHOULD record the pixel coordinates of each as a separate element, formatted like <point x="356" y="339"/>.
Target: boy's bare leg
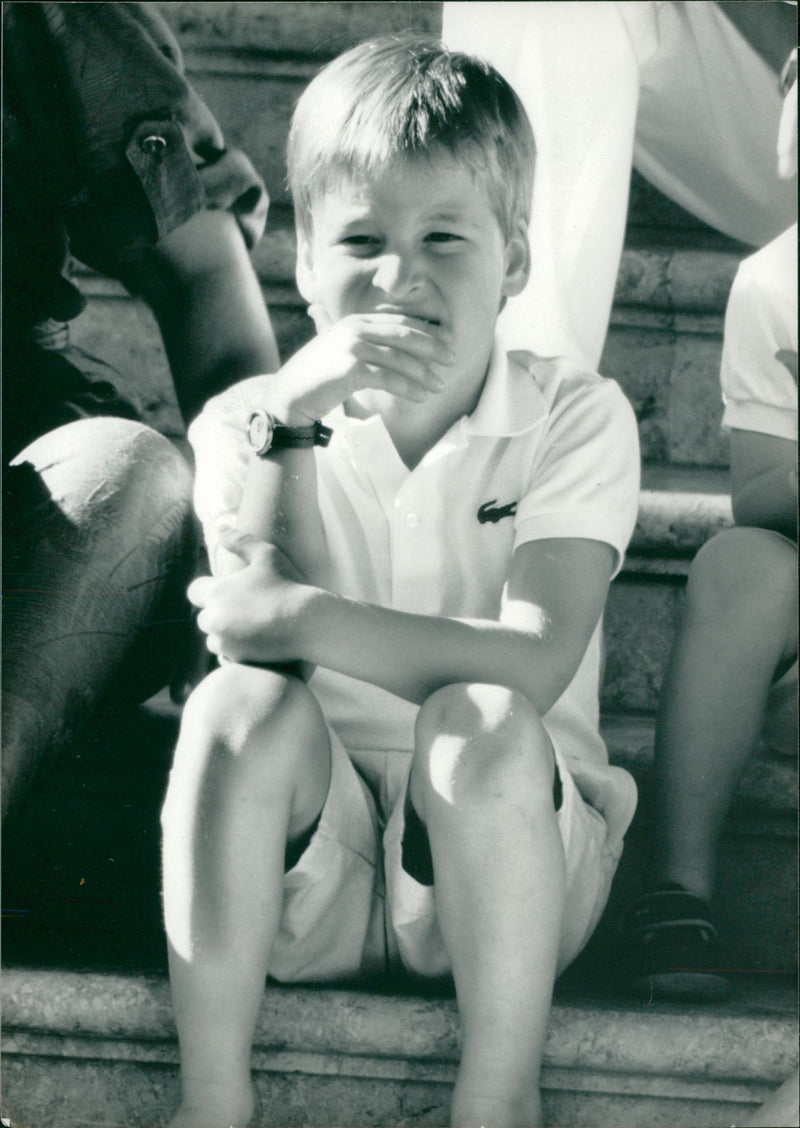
<point x="252" y="769"/>
<point x="781" y="1110"/>
<point x="482" y="782"/>
<point x="738" y="629"/>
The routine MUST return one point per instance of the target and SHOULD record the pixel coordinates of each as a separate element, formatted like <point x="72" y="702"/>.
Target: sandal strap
<point x="667" y="909"/>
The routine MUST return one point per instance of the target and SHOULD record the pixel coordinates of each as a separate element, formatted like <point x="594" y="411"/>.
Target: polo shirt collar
<point x="511" y="402"/>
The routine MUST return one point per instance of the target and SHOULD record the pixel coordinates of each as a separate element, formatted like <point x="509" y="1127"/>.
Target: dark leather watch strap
<point x="317" y="434"/>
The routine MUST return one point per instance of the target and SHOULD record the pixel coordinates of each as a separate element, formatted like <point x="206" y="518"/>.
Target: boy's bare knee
<point x="252" y="730"/>
<point x="479" y="743"/>
<point x="467" y="709"/>
<point x="245" y="710"/>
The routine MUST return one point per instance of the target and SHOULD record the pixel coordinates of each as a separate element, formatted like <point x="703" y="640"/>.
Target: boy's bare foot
<point x="213" y="1109"/>
<point x="189" y="1116"/>
<point x="480" y="1111"/>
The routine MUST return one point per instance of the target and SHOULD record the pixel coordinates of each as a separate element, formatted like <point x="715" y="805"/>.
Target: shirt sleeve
<point x="110" y="115"/>
<point x="759" y="356"/>
<point x="584" y="480"/>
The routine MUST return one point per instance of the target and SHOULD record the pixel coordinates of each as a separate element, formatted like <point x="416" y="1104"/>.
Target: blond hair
<point x="407" y="96"/>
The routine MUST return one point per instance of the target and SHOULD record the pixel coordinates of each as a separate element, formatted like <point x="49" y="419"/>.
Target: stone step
<point x="300" y="30"/>
<point x="680" y="507"/>
<point x="89" y="1050"/>
<point x="668" y="366"/>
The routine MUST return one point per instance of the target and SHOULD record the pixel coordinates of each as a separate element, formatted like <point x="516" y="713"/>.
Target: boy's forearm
<point x="279" y="505"/>
<point x="414" y="655"/>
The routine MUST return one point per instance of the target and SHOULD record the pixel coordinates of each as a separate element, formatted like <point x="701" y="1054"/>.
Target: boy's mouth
<point x="409" y="313"/>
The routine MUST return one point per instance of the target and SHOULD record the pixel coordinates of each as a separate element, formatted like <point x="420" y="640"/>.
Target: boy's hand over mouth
<point x="388" y="351"/>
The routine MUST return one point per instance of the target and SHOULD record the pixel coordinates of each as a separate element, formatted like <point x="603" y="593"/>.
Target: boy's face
<point x="422" y="240"/>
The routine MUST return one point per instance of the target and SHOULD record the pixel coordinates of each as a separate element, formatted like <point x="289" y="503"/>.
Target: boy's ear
<point x="304" y="269"/>
<point x="518" y="262"/>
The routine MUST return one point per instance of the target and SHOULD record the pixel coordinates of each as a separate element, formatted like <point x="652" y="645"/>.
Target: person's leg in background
<point x="99" y="544"/>
<point x="736" y="638"/>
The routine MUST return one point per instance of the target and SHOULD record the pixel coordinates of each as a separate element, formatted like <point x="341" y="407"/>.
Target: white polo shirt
<point x="550" y="451"/>
<point x="759" y="388"/>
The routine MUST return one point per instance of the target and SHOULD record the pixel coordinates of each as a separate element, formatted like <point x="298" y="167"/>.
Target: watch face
<point x="259" y="432"/>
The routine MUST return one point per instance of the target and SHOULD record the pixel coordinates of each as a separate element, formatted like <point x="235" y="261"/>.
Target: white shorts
<point x="351" y="909"/>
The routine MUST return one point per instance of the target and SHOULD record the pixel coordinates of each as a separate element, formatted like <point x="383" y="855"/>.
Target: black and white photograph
<point x="399" y="615"/>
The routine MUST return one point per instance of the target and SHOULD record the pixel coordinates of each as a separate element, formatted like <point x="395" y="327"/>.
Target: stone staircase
<point x="88" y="1033"/>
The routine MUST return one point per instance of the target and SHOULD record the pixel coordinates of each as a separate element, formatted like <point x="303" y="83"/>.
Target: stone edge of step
<point x="752" y="1039"/>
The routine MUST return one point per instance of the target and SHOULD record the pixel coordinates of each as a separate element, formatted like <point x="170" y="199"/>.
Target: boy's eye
<point x="443" y="238"/>
<point x="361" y="244"/>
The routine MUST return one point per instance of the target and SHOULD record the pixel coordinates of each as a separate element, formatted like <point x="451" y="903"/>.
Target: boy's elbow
<point x="548" y="671"/>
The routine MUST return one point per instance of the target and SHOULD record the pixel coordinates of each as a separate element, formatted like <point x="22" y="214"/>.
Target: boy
<point x="439" y="569"/>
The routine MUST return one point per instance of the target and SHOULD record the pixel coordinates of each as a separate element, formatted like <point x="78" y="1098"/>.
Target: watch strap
<point x="285" y="437"/>
<point x="265" y="433"/>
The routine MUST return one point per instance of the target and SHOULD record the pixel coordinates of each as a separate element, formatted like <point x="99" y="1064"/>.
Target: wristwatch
<point x="265" y="433"/>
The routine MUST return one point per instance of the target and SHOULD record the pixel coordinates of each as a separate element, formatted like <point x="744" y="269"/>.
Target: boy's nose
<point x="397" y="274"/>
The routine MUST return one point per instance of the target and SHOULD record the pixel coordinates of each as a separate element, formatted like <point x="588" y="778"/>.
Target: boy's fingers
<point x="241" y="544"/>
<point x="411" y="335"/>
<point x="397" y="370"/>
<point x="214" y="644"/>
<point x="407" y="387"/>
<point x="199" y="590"/>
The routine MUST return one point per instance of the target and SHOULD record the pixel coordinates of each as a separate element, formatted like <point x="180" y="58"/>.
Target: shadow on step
<point x="81" y="853"/>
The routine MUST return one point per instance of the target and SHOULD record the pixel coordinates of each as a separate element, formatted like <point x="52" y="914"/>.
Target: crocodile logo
<point x="487" y="513"/>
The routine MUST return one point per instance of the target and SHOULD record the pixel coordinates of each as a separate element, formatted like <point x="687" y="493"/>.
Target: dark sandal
<point x="671" y="948"/>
